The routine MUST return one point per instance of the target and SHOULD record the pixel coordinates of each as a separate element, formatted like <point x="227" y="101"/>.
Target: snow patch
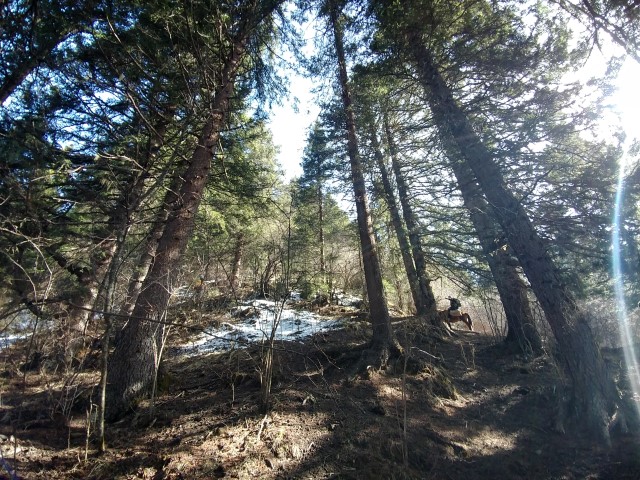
<point x="18" y="327"/>
<point x="293" y="325"/>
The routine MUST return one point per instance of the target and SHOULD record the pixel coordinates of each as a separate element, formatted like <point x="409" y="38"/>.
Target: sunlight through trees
<point x="459" y="150"/>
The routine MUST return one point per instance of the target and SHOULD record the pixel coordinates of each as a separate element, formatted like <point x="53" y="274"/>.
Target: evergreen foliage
<point x="134" y="148"/>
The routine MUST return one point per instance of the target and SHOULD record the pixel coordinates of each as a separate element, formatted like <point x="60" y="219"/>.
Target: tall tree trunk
<point x="147" y="253"/>
<point x="321" y="230"/>
<point x="80" y="302"/>
<point x="92" y="280"/>
<point x="110" y="284"/>
<point x="15" y="78"/>
<point x="410" y="220"/>
<point x="522" y="333"/>
<point x="135" y="358"/>
<point x="594" y="394"/>
<point x="238" y="252"/>
<point x="150" y="244"/>
<point x="398" y="226"/>
<point x="145" y="260"/>
<point x="383" y="344"/>
<point x="134" y="197"/>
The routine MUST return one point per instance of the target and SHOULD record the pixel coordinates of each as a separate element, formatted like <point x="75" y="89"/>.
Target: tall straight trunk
<point x="594" y="394"/>
<point x="382" y="342"/>
<point x="522" y="333"/>
<point x="134" y="361"/>
<point x="411" y="221"/>
<point x="321" y="230"/>
<point x="398" y="226"/>
<point x="238" y="252"/>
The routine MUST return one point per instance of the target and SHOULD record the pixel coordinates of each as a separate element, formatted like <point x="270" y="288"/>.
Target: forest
<point x="172" y="305"/>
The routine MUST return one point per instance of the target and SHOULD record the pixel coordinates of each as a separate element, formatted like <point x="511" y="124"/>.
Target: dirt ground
<point x="459" y="408"/>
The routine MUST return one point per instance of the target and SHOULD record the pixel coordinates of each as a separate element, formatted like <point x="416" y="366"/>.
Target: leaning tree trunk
<point x="410" y="219"/>
<point x="81" y="301"/>
<point x="522" y="333"/>
<point x="148" y="251"/>
<point x="398" y="226"/>
<point x="92" y="280"/>
<point x="143" y="265"/>
<point x="133" y="198"/>
<point x="30" y="60"/>
<point x="383" y="344"/>
<point x="594" y="394"/>
<point x="135" y="359"/>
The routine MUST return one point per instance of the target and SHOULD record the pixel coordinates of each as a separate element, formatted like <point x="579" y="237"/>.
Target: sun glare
<point x="626" y="100"/>
<point x="626" y="337"/>
<point x="626" y="104"/>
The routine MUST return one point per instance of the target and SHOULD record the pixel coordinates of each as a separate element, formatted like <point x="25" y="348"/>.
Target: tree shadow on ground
<point x="325" y="422"/>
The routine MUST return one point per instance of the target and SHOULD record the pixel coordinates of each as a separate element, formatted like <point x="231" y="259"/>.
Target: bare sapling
<point x="405" y="443"/>
<point x="89" y="420"/>
<point x="109" y="287"/>
<point x="158" y="349"/>
<point x="266" y="372"/>
<point x="102" y="399"/>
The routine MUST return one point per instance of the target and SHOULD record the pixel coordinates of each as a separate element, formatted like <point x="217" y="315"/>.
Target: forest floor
<point x="460" y="409"/>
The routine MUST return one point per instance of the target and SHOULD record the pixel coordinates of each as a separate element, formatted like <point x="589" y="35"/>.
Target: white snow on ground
<point x="236" y="333"/>
<point x="19" y="326"/>
<point x="347" y="300"/>
<point x="7" y="340"/>
<point x="293" y="325"/>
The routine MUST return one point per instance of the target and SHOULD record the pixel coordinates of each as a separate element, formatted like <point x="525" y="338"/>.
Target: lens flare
<point x="626" y="338"/>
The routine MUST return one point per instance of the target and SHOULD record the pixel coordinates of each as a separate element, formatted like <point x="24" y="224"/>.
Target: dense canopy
<point x="459" y="151"/>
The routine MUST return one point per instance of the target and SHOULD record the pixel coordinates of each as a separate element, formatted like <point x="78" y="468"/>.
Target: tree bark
<point x="321" y="230"/>
<point x="132" y="201"/>
<point x="424" y="281"/>
<point x="32" y="59"/>
<point x="398" y="226"/>
<point x="522" y="333"/>
<point x="237" y="262"/>
<point x="595" y="395"/>
<point x="143" y="264"/>
<point x="135" y="358"/>
<point x="81" y="300"/>
<point x="383" y="344"/>
<point x="133" y="362"/>
<point x="89" y="296"/>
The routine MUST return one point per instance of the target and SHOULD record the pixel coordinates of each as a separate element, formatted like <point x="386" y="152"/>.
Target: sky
<point x="626" y="101"/>
<point x="290" y="127"/>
